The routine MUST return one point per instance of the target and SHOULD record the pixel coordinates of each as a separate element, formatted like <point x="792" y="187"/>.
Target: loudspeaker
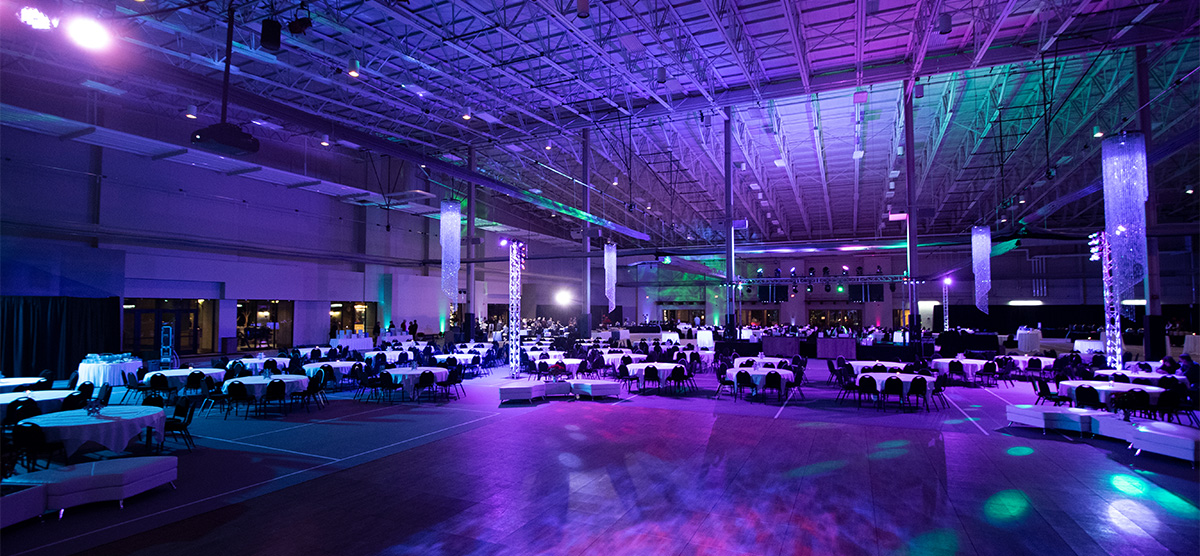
<point x="271" y="32"/>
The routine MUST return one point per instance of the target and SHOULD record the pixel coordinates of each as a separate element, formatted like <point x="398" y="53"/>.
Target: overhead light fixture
<point x="661" y="74"/>
<point x="353" y="67"/>
<point x="1003" y="219"/>
<point x="1021" y="200"/>
<point x="1096" y="132"/>
<point x="828" y="288"/>
<point x="191" y="112"/>
<point x="841" y="288"/>
<point x="36" y="19"/>
<point x="944" y="24"/>
<point x="548" y="145"/>
<point x="1134" y="302"/>
<point x="325" y="140"/>
<point x="582" y="9"/>
<point x="300" y="25"/>
<point x="615" y="180"/>
<point x="272" y="35"/>
<point x="88" y="33"/>
<point x="1025" y="303"/>
<point x="467" y="116"/>
<point x="1189" y="191"/>
<point x="947" y="280"/>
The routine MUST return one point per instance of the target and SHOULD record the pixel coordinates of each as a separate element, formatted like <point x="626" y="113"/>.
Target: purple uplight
<point x="947" y="281"/>
<point x="35" y="18"/>
<point x="88" y="33"/>
<point x="503" y="242"/>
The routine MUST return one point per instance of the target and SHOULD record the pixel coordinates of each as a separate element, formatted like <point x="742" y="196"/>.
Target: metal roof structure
<point x="1008" y="93"/>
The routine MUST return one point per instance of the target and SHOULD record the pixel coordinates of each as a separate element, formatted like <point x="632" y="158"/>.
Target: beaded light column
<point x="981" y="263"/>
<point x="451" y="240"/>
<point x="1102" y="251"/>
<point x="1123" y="160"/>
<point x="516" y="264"/>
<point x="610" y="275"/>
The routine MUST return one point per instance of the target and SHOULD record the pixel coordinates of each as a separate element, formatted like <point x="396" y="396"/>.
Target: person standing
<point x="412" y="328"/>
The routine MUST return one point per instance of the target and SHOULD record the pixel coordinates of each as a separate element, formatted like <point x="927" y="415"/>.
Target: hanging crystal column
<point x="610" y="275"/>
<point x="981" y="263"/>
<point x="451" y="239"/>
<point x="1123" y="160"/>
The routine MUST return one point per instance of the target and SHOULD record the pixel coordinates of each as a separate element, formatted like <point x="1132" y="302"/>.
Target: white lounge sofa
<point x="114" y="479"/>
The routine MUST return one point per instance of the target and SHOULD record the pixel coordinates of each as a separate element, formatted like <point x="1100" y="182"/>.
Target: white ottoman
<point x="114" y="479"/>
<point x="595" y="388"/>
<point x="22" y="504"/>
<point x="1167" y="439"/>
<point x="562" y="388"/>
<point x="522" y="390"/>
<point x="1051" y="417"/>
<point x="1113" y="426"/>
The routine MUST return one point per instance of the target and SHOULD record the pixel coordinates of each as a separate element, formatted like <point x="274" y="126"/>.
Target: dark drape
<point x="55" y="332"/>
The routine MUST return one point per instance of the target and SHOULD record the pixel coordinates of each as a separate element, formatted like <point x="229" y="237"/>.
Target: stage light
<point x="1096" y="132"/>
<point x="858" y="270"/>
<point x="548" y="145"/>
<point x="793" y="272"/>
<point x="562" y="297"/>
<point x="503" y="242"/>
<point x="353" y="67"/>
<point x="778" y="272"/>
<point x="845" y="270"/>
<point x="808" y="288"/>
<point x="582" y="9"/>
<point x="878" y="269"/>
<point x="1189" y="191"/>
<point x="841" y="288"/>
<point x="948" y="281"/>
<point x="325" y="140"/>
<point x="191" y="112"/>
<point x="944" y="24"/>
<point x="1021" y="200"/>
<point x="666" y="259"/>
<point x="760" y="273"/>
<point x="88" y="33"/>
<point x="34" y="17"/>
<point x="300" y="25"/>
<point x="825" y="271"/>
<point x="795" y="290"/>
<point x="812" y="271"/>
<point x="828" y="288"/>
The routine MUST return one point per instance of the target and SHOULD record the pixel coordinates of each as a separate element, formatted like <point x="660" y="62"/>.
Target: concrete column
<point x="730" y="275"/>
<point x="227" y="320"/>
<point x="471" y="251"/>
<point x="910" y="185"/>
<point x="585" y="317"/>
<point x="1154" y="341"/>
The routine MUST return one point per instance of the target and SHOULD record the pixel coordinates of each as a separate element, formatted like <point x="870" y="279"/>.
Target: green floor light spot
<point x="1024" y="405"/>
<point x="891" y="444"/>
<point x="938" y="541"/>
<point x="1020" y="451"/>
<point x="953" y="421"/>
<point x="1006" y="506"/>
<point x="1129" y="484"/>
<point x="976" y="405"/>
<point x="891" y="453"/>
<point x="972" y="418"/>
<point x="819" y="468"/>
<point x="1175" y="504"/>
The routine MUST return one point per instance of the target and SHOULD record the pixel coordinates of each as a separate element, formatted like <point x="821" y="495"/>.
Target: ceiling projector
<point x="225" y="138"/>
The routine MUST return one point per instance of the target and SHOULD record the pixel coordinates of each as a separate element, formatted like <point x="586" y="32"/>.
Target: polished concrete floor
<point x="655" y="473"/>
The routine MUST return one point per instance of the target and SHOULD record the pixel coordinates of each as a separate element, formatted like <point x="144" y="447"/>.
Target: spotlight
<point x="467" y="116"/>
<point x="858" y="271"/>
<point x="828" y="288"/>
<point x="300" y="25"/>
<point x="793" y="272"/>
<point x="614" y="181"/>
<point x="845" y="270"/>
<point x="841" y="288"/>
<point x="947" y="281"/>
<point x="582" y="9"/>
<point x="271" y="38"/>
<point x="760" y="273"/>
<point x="944" y="24"/>
<point x="1189" y="191"/>
<point x="503" y="242"/>
<point x="778" y="272"/>
<point x="1021" y="200"/>
<point x="795" y="290"/>
<point x="88" y="33"/>
<point x="1096" y="132"/>
<point x="812" y="271"/>
<point x="808" y="288"/>
<point x="878" y="269"/>
<point x="661" y="76"/>
<point x="191" y="112"/>
<point x="562" y="297"/>
<point x="825" y="271"/>
<point x="666" y="259"/>
<point x="353" y="67"/>
<point x="325" y="140"/>
<point x="34" y="17"/>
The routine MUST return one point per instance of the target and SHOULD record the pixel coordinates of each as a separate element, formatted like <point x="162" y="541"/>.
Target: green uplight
<point x="953" y="421"/>
<point x="841" y="288"/>
<point x="1006" y="506"/>
<point x="892" y="453"/>
<point x="891" y="444"/>
<point x="1175" y="504"/>
<point x="938" y="541"/>
<point x="819" y="468"/>
<point x="1020" y="451"/>
<point x="1129" y="484"/>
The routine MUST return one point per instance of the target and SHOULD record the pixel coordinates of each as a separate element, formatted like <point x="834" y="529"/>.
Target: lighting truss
<point x="1102" y="252"/>
<point x="516" y="264"/>
<point x="945" y="306"/>
<point x="787" y="281"/>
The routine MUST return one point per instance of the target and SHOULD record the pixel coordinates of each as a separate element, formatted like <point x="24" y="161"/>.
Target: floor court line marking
<point x="258" y="484"/>
<point x="264" y="447"/>
<point x="309" y="424"/>
<point x="967" y="417"/>
<point x="998" y="396"/>
<point x="785" y="402"/>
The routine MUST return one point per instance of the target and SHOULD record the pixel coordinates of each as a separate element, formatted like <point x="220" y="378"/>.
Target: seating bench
<point x="114" y="479"/>
<point x="595" y="388"/>
<point x="26" y="501"/>
<point x="558" y="388"/>
<point x="1167" y="439"/>
<point x="522" y="390"/>
<point x="1052" y="417"/>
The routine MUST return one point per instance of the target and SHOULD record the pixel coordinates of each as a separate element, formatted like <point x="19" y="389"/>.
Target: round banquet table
<point x="471" y="351"/>
<point x="107" y="373"/>
<point x="390" y="355"/>
<point x="176" y="378"/>
<point x="18" y="383"/>
<point x="113" y="428"/>
<point x="904" y="377"/>
<point x="481" y="347"/>
<point x="536" y="355"/>
<point x="1029" y="340"/>
<point x="639" y="370"/>
<point x="48" y="401"/>
<point x="256" y="386"/>
<point x="970" y="366"/>
<point x="1084" y="346"/>
<point x="1134" y="365"/>
<point x="1022" y="361"/>
<point x="408" y="376"/>
<point x="759" y="376"/>
<point x="462" y="358"/>
<point x="859" y="366"/>
<point x="1107" y="374"/>
<point x="1104" y="389"/>
<point x="614" y="359"/>
<point x="604" y="351"/>
<point x="342" y="368"/>
<point x="256" y="364"/>
<point x="776" y="360"/>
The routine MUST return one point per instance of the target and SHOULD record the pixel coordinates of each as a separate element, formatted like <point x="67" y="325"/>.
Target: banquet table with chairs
<point x="113" y="428"/>
<point x="17" y="383"/>
<point x="391" y="356"/>
<point x="867" y="366"/>
<point x="342" y="368"/>
<point x="759" y="375"/>
<point x="1029" y="340"/>
<point x="571" y="364"/>
<point x="478" y="346"/>
<point x="614" y="359"/>
<point x="462" y="358"/>
<point x="48" y="401"/>
<point x="409" y="376"/>
<point x="256" y="363"/>
<point x="177" y="378"/>
<point x="1022" y="361"/>
<point x="639" y="370"/>
<point x="970" y="366"/>
<point x="773" y="360"/>
<point x="256" y="386"/>
<point x="1135" y="365"/>
<point x="108" y="373"/>
<point x="1106" y="389"/>
<point x="1107" y="374"/>
<point x="906" y="378"/>
<point x="360" y="344"/>
<point x="1084" y="346"/>
<point x="536" y="355"/>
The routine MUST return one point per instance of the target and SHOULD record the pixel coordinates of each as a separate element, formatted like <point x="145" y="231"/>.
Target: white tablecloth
<point x="360" y="344"/>
<point x="462" y="358"/>
<point x="256" y="364"/>
<point x="970" y="366"/>
<point x="860" y="365"/>
<point x="704" y="339"/>
<point x="614" y="359"/>
<point x="670" y="337"/>
<point x="1022" y="361"/>
<point x="776" y="360"/>
<point x="48" y="401"/>
<point x="639" y="370"/>
<point x="1135" y="365"/>
<point x="1084" y="346"/>
<point x="18" y="383"/>
<point x="536" y="355"/>
<point x="759" y="376"/>
<point x="107" y="373"/>
<point x="1067" y="388"/>
<point x="478" y="346"/>
<point x="1151" y="376"/>
<point x="408" y="377"/>
<point x="391" y="356"/>
<point x="176" y="378"/>
<point x="342" y="368"/>
<point x="113" y="428"/>
<point x="905" y="378"/>
<point x="1029" y="340"/>
<point x="1191" y="345"/>
<point x="257" y="386"/>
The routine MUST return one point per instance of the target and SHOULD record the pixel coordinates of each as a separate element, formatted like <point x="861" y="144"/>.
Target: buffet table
<point x="107" y="373"/>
